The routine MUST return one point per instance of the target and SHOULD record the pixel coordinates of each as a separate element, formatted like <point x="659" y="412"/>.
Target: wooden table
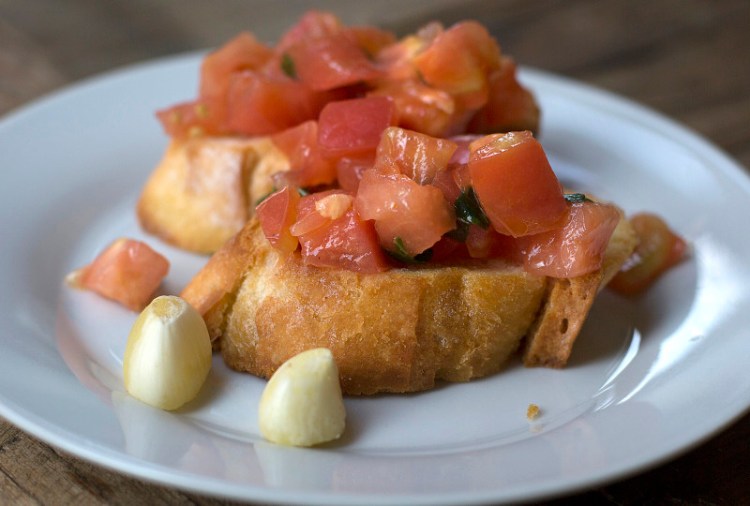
<point x="689" y="59"/>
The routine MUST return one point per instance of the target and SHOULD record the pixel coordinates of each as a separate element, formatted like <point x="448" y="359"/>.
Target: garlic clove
<point x="168" y="354"/>
<point x="302" y="404"/>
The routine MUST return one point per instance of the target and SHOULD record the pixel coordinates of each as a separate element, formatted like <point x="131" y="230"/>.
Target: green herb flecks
<point x="287" y="66"/>
<point x="577" y="198"/>
<point x="469" y="211"/>
<point x="399" y="253"/>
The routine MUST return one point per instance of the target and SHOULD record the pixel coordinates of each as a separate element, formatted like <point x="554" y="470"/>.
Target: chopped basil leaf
<point x="469" y="211"/>
<point x="577" y="198"/>
<point x="403" y="256"/>
<point x="287" y="66"/>
<point x="302" y="192"/>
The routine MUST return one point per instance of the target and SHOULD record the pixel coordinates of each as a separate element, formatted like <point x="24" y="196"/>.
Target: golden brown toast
<point x="205" y="189"/>
<point x="397" y="331"/>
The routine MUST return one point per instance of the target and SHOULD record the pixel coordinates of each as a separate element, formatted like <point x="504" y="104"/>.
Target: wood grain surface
<point x="689" y="59"/>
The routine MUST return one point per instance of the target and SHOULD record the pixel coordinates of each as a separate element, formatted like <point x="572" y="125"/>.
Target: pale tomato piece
<point x="397" y="60"/>
<point x="307" y="166"/>
<point x="420" y="107"/>
<point x="276" y="214"/>
<point x="577" y="247"/>
<point x="243" y="52"/>
<point x="460" y="59"/>
<point x="353" y="127"/>
<point x="659" y="249"/>
<point x="515" y="184"/>
<point x="510" y="106"/>
<point x="193" y="119"/>
<point x="259" y="105"/>
<point x="403" y="209"/>
<point x="127" y="271"/>
<point x="331" y="61"/>
<point x="413" y="154"/>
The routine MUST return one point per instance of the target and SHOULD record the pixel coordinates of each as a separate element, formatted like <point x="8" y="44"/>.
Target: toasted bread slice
<point x="398" y="331"/>
<point x="204" y="189"/>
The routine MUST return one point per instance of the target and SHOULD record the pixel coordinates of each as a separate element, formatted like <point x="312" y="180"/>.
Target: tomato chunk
<point x="276" y="215"/>
<point x="420" y="107"/>
<point x="308" y="167"/>
<point x="415" y="215"/>
<point x="658" y="249"/>
<point x="331" y="61"/>
<point x="312" y="25"/>
<point x="515" y="184"/>
<point x="193" y="119"/>
<point x="413" y="154"/>
<point x="576" y="248"/>
<point x="346" y="242"/>
<point x="127" y="271"/>
<point x="243" y="52"/>
<point x="353" y="127"/>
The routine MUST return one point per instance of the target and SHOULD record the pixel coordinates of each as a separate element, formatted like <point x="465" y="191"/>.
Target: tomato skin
<point x="243" y="52"/>
<point x="347" y="242"/>
<point x="331" y="61"/>
<point x="510" y="106"/>
<point x="420" y="107"/>
<point x="419" y="156"/>
<point x="127" y="271"/>
<point x="353" y="127"/>
<point x="401" y="208"/>
<point x="574" y="249"/>
<point x="307" y="167"/>
<point x="276" y="215"/>
<point x="659" y="249"/>
<point x="515" y="184"/>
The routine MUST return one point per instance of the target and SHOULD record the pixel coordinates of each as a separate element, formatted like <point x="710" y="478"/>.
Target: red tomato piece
<point x="308" y="167"/>
<point x="331" y="61"/>
<point x="419" y="156"/>
<point x="353" y="127"/>
<point x="510" y="105"/>
<point x="259" y="105"/>
<point x="460" y="59"/>
<point x="349" y="171"/>
<point x="346" y="242"/>
<point x="371" y="39"/>
<point x="420" y="107"/>
<point x="401" y="208"/>
<point x="658" y="250"/>
<point x="243" y="52"/>
<point x="127" y="271"/>
<point x="276" y="214"/>
<point x="515" y="184"/>
<point x="193" y="119"/>
<point x="576" y="248"/>
<point x="397" y="60"/>
<point x="313" y="24"/>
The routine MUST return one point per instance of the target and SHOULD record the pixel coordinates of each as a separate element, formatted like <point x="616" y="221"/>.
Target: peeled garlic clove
<point x="168" y="355"/>
<point x="302" y="403"/>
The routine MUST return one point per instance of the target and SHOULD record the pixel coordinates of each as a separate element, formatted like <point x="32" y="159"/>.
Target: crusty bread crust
<point x="204" y="189"/>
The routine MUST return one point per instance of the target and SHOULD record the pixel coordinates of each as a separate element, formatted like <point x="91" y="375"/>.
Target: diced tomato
<point x="308" y="167"/>
<point x="276" y="214"/>
<point x="313" y="24"/>
<point x="461" y="155"/>
<point x="459" y="60"/>
<point x="412" y="154"/>
<point x="193" y="119"/>
<point x="349" y="171"/>
<point x="515" y="184"/>
<point x="576" y="248"/>
<point x="658" y="249"/>
<point x="331" y="61"/>
<point x="243" y="52"/>
<point x="510" y="106"/>
<point x="353" y="127"/>
<point x="397" y="60"/>
<point x="420" y="107"/>
<point x="259" y="105"/>
<point x="346" y="242"/>
<point x="371" y="39"/>
<point x="127" y="271"/>
<point x="401" y="208"/>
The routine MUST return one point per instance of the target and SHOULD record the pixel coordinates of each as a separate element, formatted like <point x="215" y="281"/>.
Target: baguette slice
<point x="398" y="331"/>
<point x="204" y="189"/>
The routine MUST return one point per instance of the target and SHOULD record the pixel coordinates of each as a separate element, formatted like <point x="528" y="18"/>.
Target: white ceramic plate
<point x="648" y="379"/>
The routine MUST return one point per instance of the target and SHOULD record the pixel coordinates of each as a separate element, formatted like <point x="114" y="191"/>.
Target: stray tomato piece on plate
<point x="515" y="184"/>
<point x="658" y="249"/>
<point x="127" y="271"/>
<point x="276" y="214"/>
<point x="353" y="127"/>
<point x="419" y="156"/>
<point x="402" y="209"/>
<point x="577" y="247"/>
